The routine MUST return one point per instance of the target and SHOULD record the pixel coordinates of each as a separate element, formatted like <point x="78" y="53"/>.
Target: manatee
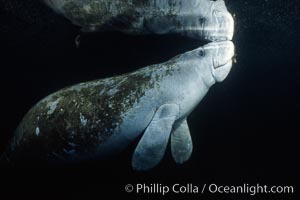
<point x="92" y="120"/>
<point x="102" y="117"/>
<point x="200" y="19"/>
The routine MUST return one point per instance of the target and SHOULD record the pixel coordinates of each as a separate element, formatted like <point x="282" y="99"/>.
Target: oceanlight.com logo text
<point x="189" y="188"/>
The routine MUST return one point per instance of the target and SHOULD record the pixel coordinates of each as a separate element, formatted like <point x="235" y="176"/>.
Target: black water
<point x="244" y="131"/>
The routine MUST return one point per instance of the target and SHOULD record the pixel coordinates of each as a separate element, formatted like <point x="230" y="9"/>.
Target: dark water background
<point x="244" y="131"/>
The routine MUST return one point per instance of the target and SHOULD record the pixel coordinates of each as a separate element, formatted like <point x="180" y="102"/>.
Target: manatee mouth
<point x="224" y="52"/>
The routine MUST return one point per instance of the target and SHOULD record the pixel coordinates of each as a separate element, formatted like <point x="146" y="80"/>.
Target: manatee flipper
<point x="181" y="143"/>
<point x="151" y="148"/>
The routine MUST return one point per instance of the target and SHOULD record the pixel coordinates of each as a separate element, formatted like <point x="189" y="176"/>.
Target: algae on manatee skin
<point x="130" y="16"/>
<point x="72" y="122"/>
<point x="102" y="14"/>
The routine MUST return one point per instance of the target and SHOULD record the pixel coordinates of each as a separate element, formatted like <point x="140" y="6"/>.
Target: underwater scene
<point x="148" y="99"/>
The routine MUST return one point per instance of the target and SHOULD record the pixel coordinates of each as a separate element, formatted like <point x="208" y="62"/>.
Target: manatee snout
<point x="219" y="23"/>
<point x="225" y="25"/>
<point x="220" y="54"/>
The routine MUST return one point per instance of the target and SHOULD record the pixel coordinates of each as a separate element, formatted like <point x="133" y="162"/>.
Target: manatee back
<point x="71" y="123"/>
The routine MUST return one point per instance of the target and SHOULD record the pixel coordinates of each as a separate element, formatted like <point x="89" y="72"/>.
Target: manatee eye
<point x="201" y="20"/>
<point x="201" y="52"/>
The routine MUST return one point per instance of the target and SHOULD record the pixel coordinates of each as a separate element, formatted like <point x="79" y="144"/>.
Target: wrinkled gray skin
<point x="98" y="118"/>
